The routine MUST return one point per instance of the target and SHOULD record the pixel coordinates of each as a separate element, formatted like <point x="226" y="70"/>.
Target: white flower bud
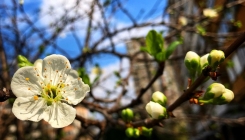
<point x="204" y="61"/>
<point x="192" y="60"/>
<point x="213" y="91"/>
<point x="183" y="20"/>
<point x="210" y="13"/>
<point x="159" y="97"/>
<point x="215" y="58"/>
<point x="155" y="110"/>
<point x="226" y="97"/>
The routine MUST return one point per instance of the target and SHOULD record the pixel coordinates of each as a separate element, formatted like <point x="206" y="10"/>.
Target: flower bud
<point x="204" y="61"/>
<point x="159" y="97"/>
<point x="127" y="115"/>
<point x="136" y="132"/>
<point x="213" y="91"/>
<point x="155" y="110"/>
<point x="96" y="70"/>
<point x="210" y="13"/>
<point x="225" y="98"/>
<point x="23" y="61"/>
<point x="182" y="20"/>
<point x="129" y="132"/>
<point x="215" y="58"/>
<point x="146" y="131"/>
<point x="192" y="62"/>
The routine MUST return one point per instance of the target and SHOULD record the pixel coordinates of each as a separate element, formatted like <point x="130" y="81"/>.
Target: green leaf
<point x="154" y="42"/>
<point x="82" y="73"/>
<point x="201" y="30"/>
<point x="144" y="49"/>
<point x="160" y="56"/>
<point x="171" y="48"/>
<point x="23" y="61"/>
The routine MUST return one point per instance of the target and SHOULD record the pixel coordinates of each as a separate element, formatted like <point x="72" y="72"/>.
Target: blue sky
<point x="138" y="8"/>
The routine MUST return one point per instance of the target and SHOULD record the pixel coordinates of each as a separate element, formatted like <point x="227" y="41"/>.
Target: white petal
<point x="38" y="64"/>
<point x="157" y="110"/>
<point x="29" y="109"/>
<point x="148" y="107"/>
<point x="26" y="82"/>
<point x="75" y="90"/>
<point x="59" y="115"/>
<point x="54" y="66"/>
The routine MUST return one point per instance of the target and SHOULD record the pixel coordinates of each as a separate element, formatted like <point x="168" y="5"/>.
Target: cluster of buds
<point x="195" y="64"/>
<point x="136" y="132"/>
<point x="216" y="94"/>
<point x="157" y="107"/>
<point x="128" y="115"/>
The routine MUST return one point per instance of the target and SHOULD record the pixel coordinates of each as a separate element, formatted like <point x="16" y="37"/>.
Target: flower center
<point x="52" y="93"/>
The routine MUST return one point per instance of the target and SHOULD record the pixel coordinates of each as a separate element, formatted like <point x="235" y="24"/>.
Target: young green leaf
<point x="160" y="56"/>
<point x="171" y="48"/>
<point x="154" y="42"/>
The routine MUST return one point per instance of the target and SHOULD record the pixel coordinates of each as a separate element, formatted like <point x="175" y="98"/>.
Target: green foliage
<point x="82" y="73"/>
<point x="201" y="30"/>
<point x="155" y="46"/>
<point x="171" y="48"/>
<point x="23" y="61"/>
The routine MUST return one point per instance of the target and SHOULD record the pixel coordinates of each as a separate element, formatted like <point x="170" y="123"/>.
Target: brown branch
<point x="142" y="91"/>
<point x="190" y="92"/>
<point x="5" y="73"/>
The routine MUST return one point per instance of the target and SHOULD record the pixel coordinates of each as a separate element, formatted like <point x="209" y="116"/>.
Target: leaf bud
<point x="23" y="61"/>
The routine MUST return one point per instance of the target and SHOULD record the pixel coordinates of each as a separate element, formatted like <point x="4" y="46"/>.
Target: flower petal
<point x="59" y="115"/>
<point x="39" y="64"/>
<point x="75" y="90"/>
<point x="26" y="82"/>
<point x="29" y="109"/>
<point x="54" y="67"/>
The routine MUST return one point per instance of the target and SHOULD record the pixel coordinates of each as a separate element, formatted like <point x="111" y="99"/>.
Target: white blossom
<point x="211" y="13"/>
<point x="45" y="90"/>
<point x="155" y="110"/>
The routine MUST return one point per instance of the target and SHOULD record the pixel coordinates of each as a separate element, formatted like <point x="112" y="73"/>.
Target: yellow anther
<point x="75" y="88"/>
<point x="66" y="98"/>
<point x="27" y="79"/>
<point x="49" y="86"/>
<point x="35" y="97"/>
<point x="62" y="85"/>
<point x="37" y="74"/>
<point x="29" y="88"/>
<point x="57" y="71"/>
